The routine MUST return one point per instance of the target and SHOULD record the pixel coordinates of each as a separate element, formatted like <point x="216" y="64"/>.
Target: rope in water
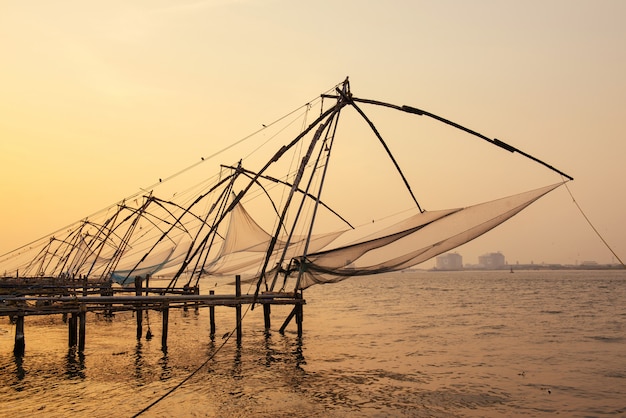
<point x="186" y="379"/>
<point x="594" y="228"/>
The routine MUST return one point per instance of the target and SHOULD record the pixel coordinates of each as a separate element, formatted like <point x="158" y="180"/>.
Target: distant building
<point x="492" y="261"/>
<point x="450" y="261"/>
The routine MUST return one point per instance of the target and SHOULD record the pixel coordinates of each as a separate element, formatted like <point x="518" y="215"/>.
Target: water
<point x="475" y="344"/>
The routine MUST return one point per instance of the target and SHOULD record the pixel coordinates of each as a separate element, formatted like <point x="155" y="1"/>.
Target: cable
<point x="593" y="227"/>
<point x="182" y="382"/>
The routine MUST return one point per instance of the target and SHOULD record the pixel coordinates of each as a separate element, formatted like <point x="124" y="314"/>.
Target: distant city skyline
<point x="444" y="261"/>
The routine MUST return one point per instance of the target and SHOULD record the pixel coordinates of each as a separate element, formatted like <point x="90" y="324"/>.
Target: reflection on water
<point x="75" y="364"/>
<point x="166" y="371"/>
<point x="19" y="370"/>
<point x="419" y="344"/>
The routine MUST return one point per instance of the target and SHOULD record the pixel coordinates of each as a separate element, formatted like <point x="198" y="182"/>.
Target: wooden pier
<point x="76" y="300"/>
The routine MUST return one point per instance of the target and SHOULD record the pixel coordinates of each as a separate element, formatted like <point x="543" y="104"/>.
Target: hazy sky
<point x="98" y="99"/>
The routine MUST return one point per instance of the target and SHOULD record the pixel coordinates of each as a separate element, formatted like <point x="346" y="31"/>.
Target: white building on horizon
<point x="449" y="261"/>
<point x="492" y="260"/>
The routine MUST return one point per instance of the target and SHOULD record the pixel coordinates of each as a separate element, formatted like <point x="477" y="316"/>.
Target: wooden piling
<point x="20" y="344"/>
<point x="72" y="324"/>
<point x="299" y="310"/>
<point x="266" y="315"/>
<point x="238" y="307"/>
<point x="139" y="312"/>
<point x="82" y="318"/>
<point x="212" y="316"/>
<point x="166" y="317"/>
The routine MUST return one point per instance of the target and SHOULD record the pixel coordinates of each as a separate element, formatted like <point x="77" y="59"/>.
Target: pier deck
<point x="49" y="305"/>
<point x="75" y="300"/>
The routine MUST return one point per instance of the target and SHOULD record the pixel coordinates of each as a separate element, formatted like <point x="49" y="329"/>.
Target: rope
<point x="593" y="227"/>
<point x="186" y="379"/>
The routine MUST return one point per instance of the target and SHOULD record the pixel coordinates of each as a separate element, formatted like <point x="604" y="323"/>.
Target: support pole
<point x="299" y="311"/>
<point x="212" y="316"/>
<point x="138" y="311"/>
<point x="238" y="306"/>
<point x="267" y="310"/>
<point x="288" y="319"/>
<point x="82" y="327"/>
<point x="72" y="330"/>
<point x="166" y="317"/>
<point x="20" y="344"/>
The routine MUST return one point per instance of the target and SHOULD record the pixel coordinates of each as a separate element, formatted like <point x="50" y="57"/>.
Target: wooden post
<point x="166" y="316"/>
<point x="82" y="318"/>
<point x="266" y="315"/>
<point x="212" y="316"/>
<point x="106" y="290"/>
<point x="288" y="319"/>
<point x="72" y="324"/>
<point x="138" y="311"/>
<point x="238" y="306"/>
<point x="20" y="345"/>
<point x="185" y="292"/>
<point x="298" y="309"/>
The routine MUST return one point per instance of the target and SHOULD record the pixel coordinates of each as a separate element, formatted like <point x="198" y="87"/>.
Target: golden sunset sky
<point x="100" y="99"/>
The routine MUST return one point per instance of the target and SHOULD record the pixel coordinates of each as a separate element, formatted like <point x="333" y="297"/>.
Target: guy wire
<point x="593" y="227"/>
<point x="182" y="382"/>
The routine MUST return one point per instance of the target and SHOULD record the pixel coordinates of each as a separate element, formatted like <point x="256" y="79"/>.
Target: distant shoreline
<point x="525" y="267"/>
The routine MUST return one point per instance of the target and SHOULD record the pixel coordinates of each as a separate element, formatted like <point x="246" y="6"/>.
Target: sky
<point x="100" y="99"/>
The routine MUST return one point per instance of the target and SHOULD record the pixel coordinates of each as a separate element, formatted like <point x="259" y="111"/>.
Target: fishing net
<point x="412" y="241"/>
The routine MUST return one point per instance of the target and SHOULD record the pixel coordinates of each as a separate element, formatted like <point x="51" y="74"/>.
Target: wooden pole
<point x="298" y="309"/>
<point x="212" y="316"/>
<point x="138" y="311"/>
<point x="72" y="324"/>
<point x="299" y="313"/>
<point x="288" y="319"/>
<point x="166" y="316"/>
<point x="20" y="344"/>
<point x="185" y="292"/>
<point x="266" y="315"/>
<point x="82" y="318"/>
<point x="238" y="307"/>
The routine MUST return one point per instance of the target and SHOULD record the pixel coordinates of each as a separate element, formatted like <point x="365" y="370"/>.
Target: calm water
<point x="418" y="344"/>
